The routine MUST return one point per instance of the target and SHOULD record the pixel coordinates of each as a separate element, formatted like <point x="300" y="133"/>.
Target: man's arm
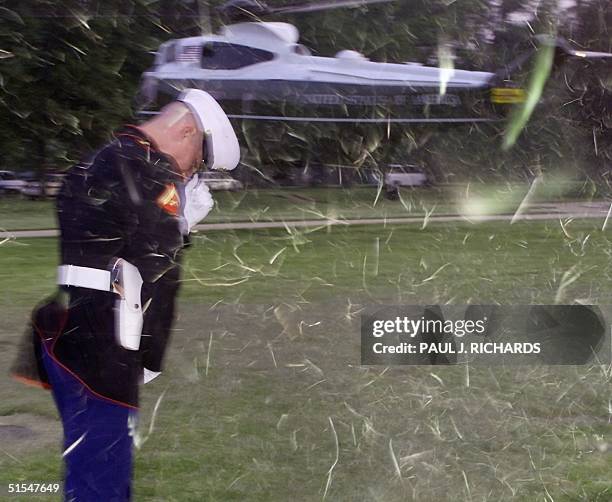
<point x="158" y="318"/>
<point x="196" y="203"/>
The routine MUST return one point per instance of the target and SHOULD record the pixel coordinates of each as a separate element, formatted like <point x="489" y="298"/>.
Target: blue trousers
<point x="97" y="439"/>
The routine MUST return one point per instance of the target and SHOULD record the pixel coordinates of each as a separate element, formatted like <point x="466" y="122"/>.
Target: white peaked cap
<point x="222" y="149"/>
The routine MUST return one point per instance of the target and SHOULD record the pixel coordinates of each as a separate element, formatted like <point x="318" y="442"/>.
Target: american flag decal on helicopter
<point x="189" y="54"/>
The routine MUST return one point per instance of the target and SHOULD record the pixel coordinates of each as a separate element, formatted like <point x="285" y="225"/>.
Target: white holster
<point x="125" y="280"/>
<point x="127" y="283"/>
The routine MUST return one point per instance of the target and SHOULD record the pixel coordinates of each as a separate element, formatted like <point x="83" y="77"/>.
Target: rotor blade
<point x="325" y="6"/>
<point x="566" y="47"/>
<point x="243" y="9"/>
<point x="591" y="54"/>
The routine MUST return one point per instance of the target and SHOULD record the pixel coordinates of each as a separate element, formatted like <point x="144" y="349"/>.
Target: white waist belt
<point x="84" y="277"/>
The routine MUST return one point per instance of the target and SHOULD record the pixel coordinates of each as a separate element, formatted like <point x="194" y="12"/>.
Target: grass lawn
<point x="322" y="203"/>
<point x="263" y="397"/>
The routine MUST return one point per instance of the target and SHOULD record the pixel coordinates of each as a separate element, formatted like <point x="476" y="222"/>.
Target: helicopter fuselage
<point x="259" y="71"/>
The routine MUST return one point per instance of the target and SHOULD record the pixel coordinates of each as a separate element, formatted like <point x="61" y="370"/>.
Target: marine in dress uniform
<point x="123" y="228"/>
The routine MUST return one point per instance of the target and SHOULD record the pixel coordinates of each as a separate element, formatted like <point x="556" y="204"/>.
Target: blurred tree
<point x="68" y="73"/>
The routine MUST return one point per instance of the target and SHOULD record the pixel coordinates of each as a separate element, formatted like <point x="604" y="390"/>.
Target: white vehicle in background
<point x="404" y="176"/>
<point x="48" y="186"/>
<point x="220" y="181"/>
<point x="10" y="182"/>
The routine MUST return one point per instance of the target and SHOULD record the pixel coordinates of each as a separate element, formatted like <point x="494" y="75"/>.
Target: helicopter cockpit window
<point x="222" y="56"/>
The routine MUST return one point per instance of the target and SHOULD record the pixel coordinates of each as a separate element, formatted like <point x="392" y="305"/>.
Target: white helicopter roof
<point x="274" y="37"/>
<point x="266" y="34"/>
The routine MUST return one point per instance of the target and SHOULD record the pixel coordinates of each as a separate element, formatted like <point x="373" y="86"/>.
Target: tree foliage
<point x="69" y="72"/>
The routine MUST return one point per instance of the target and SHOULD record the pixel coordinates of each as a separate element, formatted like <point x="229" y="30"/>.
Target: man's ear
<point x="188" y="130"/>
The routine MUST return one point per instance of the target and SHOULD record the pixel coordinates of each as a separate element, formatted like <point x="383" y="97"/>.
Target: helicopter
<point x="258" y="70"/>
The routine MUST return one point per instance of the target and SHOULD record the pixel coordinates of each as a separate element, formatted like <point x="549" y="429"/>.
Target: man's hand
<point x="197" y="203"/>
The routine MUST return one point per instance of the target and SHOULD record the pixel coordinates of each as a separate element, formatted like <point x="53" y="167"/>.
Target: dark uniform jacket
<point x="122" y="203"/>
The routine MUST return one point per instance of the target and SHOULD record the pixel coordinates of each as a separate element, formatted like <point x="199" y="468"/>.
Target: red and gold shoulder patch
<point x="169" y="200"/>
